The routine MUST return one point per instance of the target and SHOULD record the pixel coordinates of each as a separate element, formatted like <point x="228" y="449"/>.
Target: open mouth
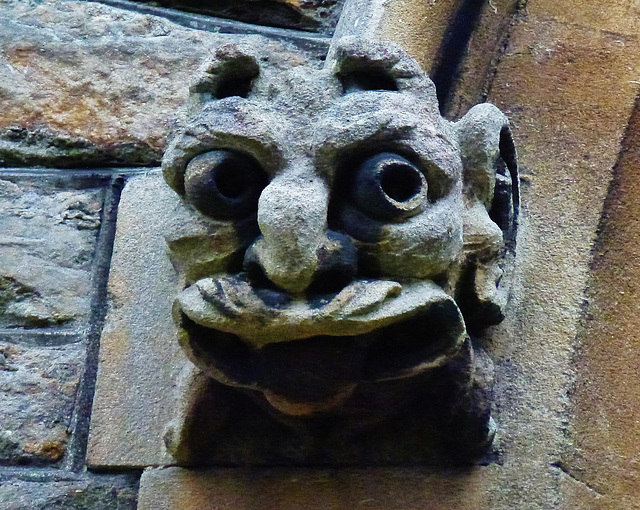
<point x="317" y="352"/>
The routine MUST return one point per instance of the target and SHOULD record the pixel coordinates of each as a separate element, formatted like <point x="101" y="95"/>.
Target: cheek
<point x="199" y="247"/>
<point x="423" y="246"/>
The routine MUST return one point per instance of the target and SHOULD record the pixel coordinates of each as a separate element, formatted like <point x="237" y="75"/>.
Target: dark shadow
<point x="446" y="67"/>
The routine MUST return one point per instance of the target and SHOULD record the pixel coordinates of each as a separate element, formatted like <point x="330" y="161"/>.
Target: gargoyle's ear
<point x="232" y="72"/>
<point x="491" y="207"/>
<point x="368" y="65"/>
<point x="490" y="165"/>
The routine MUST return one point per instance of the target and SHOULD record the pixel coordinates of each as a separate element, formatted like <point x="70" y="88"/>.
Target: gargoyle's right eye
<point x="389" y="187"/>
<point x="224" y="184"/>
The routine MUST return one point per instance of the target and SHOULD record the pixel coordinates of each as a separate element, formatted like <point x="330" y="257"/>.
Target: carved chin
<point x="317" y="352"/>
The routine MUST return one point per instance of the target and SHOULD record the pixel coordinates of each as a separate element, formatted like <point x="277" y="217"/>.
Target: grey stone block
<point x="86" y="493"/>
<point x="302" y="489"/>
<point x="47" y="243"/>
<point x="87" y="83"/>
<point x="37" y="389"/>
<point x="140" y="359"/>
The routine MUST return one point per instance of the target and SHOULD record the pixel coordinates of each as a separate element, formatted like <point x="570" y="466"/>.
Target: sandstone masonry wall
<point x="88" y="95"/>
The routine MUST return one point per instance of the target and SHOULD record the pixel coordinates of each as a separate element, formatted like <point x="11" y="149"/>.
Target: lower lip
<point x="322" y="368"/>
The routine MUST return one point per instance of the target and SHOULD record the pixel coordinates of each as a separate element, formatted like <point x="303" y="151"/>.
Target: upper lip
<point x="387" y="330"/>
<point x="229" y="303"/>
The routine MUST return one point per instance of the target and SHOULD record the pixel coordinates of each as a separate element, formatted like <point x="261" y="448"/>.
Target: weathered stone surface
<point x="84" y="83"/>
<point x="606" y="431"/>
<point x="419" y="27"/>
<point x="616" y="17"/>
<point x="37" y="390"/>
<point x="87" y="493"/>
<point x="302" y="489"/>
<point x="569" y="118"/>
<point x="484" y="49"/>
<point x="47" y="243"/>
<point x="140" y="359"/>
<point x="316" y="15"/>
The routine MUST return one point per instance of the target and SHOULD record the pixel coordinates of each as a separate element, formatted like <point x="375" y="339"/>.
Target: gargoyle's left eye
<point x="224" y="184"/>
<point x="389" y="187"/>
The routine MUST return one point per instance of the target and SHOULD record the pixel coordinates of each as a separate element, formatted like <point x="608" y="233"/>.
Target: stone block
<point x="84" y="493"/>
<point x="47" y="244"/>
<point x="140" y="358"/>
<point x="313" y="15"/>
<point x="617" y="16"/>
<point x="85" y="83"/>
<point x="419" y="27"/>
<point x="569" y="91"/>
<point x="569" y="117"/>
<point x="606" y="431"/>
<point x="38" y="385"/>
<point x="302" y="489"/>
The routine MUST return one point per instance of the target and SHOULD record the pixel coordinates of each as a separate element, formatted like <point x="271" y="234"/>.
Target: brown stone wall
<point x="606" y="431"/>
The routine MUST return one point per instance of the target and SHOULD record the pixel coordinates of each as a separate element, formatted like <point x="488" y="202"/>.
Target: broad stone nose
<point x="296" y="251"/>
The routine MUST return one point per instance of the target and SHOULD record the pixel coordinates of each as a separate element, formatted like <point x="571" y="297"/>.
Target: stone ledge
<point x="306" y="489"/>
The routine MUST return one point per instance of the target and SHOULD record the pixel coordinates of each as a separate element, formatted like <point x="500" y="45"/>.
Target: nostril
<point x="330" y="281"/>
<point x="256" y="275"/>
<point x="337" y="265"/>
<point x="333" y="269"/>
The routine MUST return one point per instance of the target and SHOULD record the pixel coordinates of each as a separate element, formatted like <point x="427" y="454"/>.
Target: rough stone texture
<point x="616" y="17"/>
<point x="443" y="235"/>
<point x="302" y="489"/>
<point x="58" y="493"/>
<point x="84" y="83"/>
<point x="419" y="27"/>
<point x="569" y="118"/>
<point x="315" y="15"/>
<point x="606" y="432"/>
<point x="475" y="71"/>
<point x="140" y="359"/>
<point x="37" y="389"/>
<point x="47" y="236"/>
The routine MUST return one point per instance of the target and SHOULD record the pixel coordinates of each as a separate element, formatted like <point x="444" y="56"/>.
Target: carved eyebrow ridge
<point x="221" y="126"/>
<point x="394" y="135"/>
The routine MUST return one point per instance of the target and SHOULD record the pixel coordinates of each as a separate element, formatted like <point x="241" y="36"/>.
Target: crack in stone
<point x="567" y="471"/>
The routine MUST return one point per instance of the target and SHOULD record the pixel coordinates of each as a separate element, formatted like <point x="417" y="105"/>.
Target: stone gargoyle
<point x="348" y="248"/>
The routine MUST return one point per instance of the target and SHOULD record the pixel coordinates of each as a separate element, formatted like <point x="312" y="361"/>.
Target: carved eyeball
<point x="389" y="187"/>
<point x="224" y="184"/>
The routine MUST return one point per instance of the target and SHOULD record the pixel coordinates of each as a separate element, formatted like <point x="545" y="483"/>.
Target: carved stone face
<point x="344" y="234"/>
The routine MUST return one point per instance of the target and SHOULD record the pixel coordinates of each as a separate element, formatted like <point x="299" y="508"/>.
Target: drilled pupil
<point x="232" y="181"/>
<point x="224" y="184"/>
<point x="400" y="182"/>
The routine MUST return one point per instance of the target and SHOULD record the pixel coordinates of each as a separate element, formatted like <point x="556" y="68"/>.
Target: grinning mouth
<point x="309" y="356"/>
